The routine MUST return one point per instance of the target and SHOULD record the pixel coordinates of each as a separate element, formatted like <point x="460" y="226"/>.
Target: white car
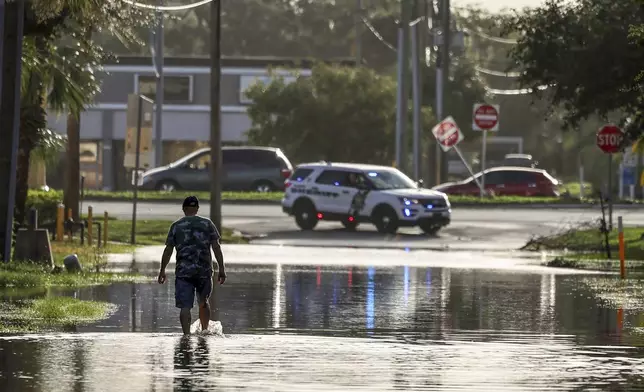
<point x="356" y="193"/>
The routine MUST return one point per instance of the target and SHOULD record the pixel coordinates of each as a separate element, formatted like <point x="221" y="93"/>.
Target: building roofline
<point x="230" y="61"/>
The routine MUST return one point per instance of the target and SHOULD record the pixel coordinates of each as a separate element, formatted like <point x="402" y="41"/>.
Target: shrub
<point x="46" y="202"/>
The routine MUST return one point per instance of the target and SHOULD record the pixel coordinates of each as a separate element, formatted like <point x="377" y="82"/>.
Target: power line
<point x="377" y="34"/>
<point x="168" y="8"/>
<point x="522" y="91"/>
<point x="491" y="38"/>
<point x="497" y="73"/>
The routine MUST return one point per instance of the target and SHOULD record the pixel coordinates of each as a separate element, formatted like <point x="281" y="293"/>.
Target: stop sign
<point x="609" y="139"/>
<point x="447" y="134"/>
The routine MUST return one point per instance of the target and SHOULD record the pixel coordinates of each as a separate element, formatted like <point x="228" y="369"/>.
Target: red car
<point x="506" y="181"/>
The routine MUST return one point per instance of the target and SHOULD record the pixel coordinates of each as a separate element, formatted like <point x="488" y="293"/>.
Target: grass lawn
<point x="586" y="247"/>
<point x="154" y="232"/>
<point x="275" y="197"/>
<point x="27" y="275"/>
<point x="50" y="313"/>
<point x="148" y="232"/>
<point x="180" y="195"/>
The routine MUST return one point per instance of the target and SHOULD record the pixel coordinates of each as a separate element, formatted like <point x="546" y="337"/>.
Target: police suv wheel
<point x="385" y="220"/>
<point x="428" y="228"/>
<point x="305" y="215"/>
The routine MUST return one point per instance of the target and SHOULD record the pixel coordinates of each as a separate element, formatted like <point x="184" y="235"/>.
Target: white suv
<point x="355" y="193"/>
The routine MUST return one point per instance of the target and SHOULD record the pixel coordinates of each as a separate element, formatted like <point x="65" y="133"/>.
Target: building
<point x="186" y="110"/>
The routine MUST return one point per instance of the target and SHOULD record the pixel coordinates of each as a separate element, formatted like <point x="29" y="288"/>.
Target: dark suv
<point x="259" y="169"/>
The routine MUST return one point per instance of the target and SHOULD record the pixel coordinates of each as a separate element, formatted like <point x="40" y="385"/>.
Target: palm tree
<point x="60" y="61"/>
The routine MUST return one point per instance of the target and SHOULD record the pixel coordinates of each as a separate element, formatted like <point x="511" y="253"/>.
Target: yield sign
<point x="447" y="134"/>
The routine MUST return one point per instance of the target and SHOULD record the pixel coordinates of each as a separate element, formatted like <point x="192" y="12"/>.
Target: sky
<point x="496" y="5"/>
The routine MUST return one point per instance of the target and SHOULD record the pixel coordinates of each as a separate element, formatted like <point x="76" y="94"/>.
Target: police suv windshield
<point x="390" y="179"/>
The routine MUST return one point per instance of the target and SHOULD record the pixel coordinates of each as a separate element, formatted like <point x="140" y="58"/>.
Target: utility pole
<point x="159" y="44"/>
<point x="11" y="28"/>
<point x="215" y="113"/>
<point x="405" y="12"/>
<point x="442" y="73"/>
<point x="445" y="62"/>
<point x="359" y="15"/>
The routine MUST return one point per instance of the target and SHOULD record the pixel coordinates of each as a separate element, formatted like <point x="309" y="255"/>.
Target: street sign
<point x="609" y="139"/>
<point x="146" y="150"/>
<point x="628" y="175"/>
<point x="447" y="134"/>
<point x="485" y="117"/>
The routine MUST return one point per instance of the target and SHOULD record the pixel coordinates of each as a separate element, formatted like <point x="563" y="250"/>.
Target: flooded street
<point x="303" y="319"/>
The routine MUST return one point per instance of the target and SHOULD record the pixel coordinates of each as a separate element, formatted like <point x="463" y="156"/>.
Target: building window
<point x="177" y="88"/>
<point x="247" y="81"/>
<point x="89" y="152"/>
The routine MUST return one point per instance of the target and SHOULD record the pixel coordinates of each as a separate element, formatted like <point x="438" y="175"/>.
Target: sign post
<point x="138" y="144"/>
<point x="609" y="140"/>
<point x="448" y="135"/>
<point x="485" y="118"/>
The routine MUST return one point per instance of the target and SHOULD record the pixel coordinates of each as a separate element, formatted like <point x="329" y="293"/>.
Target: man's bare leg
<point x="204" y="315"/>
<point x="186" y="319"/>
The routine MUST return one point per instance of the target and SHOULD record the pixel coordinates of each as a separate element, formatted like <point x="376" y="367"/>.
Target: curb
<point x="549" y="206"/>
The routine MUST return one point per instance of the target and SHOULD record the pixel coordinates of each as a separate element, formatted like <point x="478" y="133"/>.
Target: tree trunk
<point x="72" y="177"/>
<point x="25" y="146"/>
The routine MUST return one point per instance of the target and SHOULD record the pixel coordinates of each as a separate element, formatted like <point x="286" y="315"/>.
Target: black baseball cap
<point x="191" y="201"/>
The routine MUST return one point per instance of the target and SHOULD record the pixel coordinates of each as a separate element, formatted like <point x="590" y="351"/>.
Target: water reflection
<point x="192" y="365"/>
<point x="427" y="327"/>
<point x="363" y="301"/>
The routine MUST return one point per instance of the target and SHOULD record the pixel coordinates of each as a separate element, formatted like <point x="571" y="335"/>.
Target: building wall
<point x="103" y="124"/>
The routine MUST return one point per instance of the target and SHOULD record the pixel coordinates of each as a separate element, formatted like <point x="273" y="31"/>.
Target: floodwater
<point x="329" y="327"/>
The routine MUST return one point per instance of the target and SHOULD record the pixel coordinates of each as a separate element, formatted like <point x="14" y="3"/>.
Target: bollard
<point x="622" y="251"/>
<point x="60" y="218"/>
<point x="32" y="222"/>
<point x="89" y="225"/>
<point x="69" y="213"/>
<point x="105" y="219"/>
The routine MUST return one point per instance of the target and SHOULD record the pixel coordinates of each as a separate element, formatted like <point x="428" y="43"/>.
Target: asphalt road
<point x="471" y="228"/>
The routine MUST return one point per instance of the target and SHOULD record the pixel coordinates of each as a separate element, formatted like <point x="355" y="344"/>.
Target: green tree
<point x="582" y="50"/>
<point x="337" y="114"/>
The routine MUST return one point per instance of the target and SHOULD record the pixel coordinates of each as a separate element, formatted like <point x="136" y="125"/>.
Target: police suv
<point x="356" y="193"/>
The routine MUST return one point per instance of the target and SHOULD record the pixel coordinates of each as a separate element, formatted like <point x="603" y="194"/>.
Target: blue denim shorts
<point x="185" y="289"/>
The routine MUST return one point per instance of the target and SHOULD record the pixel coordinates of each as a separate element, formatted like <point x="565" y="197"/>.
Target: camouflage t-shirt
<point x="192" y="237"/>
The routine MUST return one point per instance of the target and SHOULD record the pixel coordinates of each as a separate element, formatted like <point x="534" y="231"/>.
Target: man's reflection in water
<point x="192" y="371"/>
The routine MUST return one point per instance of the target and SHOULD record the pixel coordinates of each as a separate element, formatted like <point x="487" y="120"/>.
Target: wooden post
<point x="69" y="213"/>
<point x="622" y="250"/>
<point x="105" y="219"/>
<point x="60" y="223"/>
<point x="89" y="225"/>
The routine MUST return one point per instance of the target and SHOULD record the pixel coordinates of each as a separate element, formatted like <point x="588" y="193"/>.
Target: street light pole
<point x="358" y="26"/>
<point x="215" y="113"/>
<point x="160" y="98"/>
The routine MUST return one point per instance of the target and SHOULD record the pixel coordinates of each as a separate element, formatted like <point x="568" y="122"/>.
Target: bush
<point x="46" y="202"/>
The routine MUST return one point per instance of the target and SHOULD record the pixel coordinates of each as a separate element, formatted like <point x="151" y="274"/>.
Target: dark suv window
<point x="262" y="158"/>
<point x="300" y="174"/>
<point x="333" y="177"/>
<point x="250" y="157"/>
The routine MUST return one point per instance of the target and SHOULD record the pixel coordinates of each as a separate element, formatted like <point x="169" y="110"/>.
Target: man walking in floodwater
<point x="193" y="236"/>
